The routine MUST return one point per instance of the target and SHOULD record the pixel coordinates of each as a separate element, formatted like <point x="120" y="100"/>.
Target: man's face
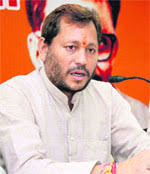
<point x="107" y="49"/>
<point x="72" y="67"/>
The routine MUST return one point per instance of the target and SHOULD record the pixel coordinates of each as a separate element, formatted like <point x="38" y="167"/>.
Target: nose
<point x="81" y="58"/>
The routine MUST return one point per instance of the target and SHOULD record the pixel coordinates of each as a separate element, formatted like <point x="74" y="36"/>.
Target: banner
<point x="132" y="57"/>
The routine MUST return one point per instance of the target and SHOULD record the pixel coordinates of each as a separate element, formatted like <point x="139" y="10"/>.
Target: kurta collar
<point x="55" y="92"/>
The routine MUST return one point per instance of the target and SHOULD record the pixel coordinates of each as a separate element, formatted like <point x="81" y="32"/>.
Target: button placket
<point x="72" y="145"/>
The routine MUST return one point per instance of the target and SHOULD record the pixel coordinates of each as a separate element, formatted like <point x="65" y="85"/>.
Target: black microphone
<point x="98" y="78"/>
<point x="117" y="79"/>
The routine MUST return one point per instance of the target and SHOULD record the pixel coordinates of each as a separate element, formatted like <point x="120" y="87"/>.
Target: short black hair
<point x="75" y="13"/>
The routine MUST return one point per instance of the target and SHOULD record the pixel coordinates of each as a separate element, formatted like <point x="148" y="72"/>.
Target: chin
<point x="76" y="89"/>
<point x="80" y="85"/>
<point x="73" y="89"/>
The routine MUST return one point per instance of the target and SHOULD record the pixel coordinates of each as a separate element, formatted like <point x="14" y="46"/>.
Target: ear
<point x="32" y="43"/>
<point x="42" y="48"/>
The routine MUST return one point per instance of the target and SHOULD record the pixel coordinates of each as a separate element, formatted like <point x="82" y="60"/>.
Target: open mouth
<point x="78" y="75"/>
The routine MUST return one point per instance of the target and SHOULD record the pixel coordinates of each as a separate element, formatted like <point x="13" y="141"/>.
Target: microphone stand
<point x="117" y="79"/>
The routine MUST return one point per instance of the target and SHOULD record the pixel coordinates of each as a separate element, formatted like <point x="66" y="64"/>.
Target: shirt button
<point x="72" y="138"/>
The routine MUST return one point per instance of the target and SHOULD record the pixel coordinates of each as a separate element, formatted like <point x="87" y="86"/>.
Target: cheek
<point x="92" y="64"/>
<point x="65" y="66"/>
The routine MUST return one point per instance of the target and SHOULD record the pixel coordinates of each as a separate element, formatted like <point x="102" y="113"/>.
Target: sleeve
<point x="128" y="138"/>
<point x="20" y="142"/>
<point x="148" y="131"/>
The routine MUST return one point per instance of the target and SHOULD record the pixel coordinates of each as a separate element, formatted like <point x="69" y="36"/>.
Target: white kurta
<point x="39" y="133"/>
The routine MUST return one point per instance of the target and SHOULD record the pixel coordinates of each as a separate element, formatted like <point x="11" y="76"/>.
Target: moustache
<point x="79" y="68"/>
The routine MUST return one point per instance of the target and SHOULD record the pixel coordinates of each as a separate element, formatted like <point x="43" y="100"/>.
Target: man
<point x="56" y="119"/>
<point x="108" y="13"/>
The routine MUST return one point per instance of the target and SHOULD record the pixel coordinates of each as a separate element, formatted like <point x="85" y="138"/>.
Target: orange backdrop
<point x="133" y="56"/>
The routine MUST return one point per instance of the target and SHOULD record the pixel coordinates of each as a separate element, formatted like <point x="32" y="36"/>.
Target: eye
<point x="70" y="47"/>
<point x="91" y="50"/>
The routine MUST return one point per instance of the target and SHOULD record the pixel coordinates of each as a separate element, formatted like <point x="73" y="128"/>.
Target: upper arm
<point x="19" y="135"/>
<point x="128" y="138"/>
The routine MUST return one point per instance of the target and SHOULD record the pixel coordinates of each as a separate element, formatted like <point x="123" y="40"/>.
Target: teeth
<point x="77" y="74"/>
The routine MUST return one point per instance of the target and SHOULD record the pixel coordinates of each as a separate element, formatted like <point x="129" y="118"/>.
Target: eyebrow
<point x="78" y="43"/>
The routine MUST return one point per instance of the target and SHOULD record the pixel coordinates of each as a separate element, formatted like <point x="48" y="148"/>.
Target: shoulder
<point x="100" y="86"/>
<point x="18" y="87"/>
<point x="98" y="89"/>
<point x="15" y="99"/>
<point x="19" y="82"/>
<point x="106" y="92"/>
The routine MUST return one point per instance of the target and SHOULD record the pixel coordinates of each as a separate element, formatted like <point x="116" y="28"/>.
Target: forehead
<point x="101" y="6"/>
<point x="84" y="33"/>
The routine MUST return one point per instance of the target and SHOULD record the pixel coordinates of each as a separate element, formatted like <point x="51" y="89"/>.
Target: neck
<point x="69" y="95"/>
